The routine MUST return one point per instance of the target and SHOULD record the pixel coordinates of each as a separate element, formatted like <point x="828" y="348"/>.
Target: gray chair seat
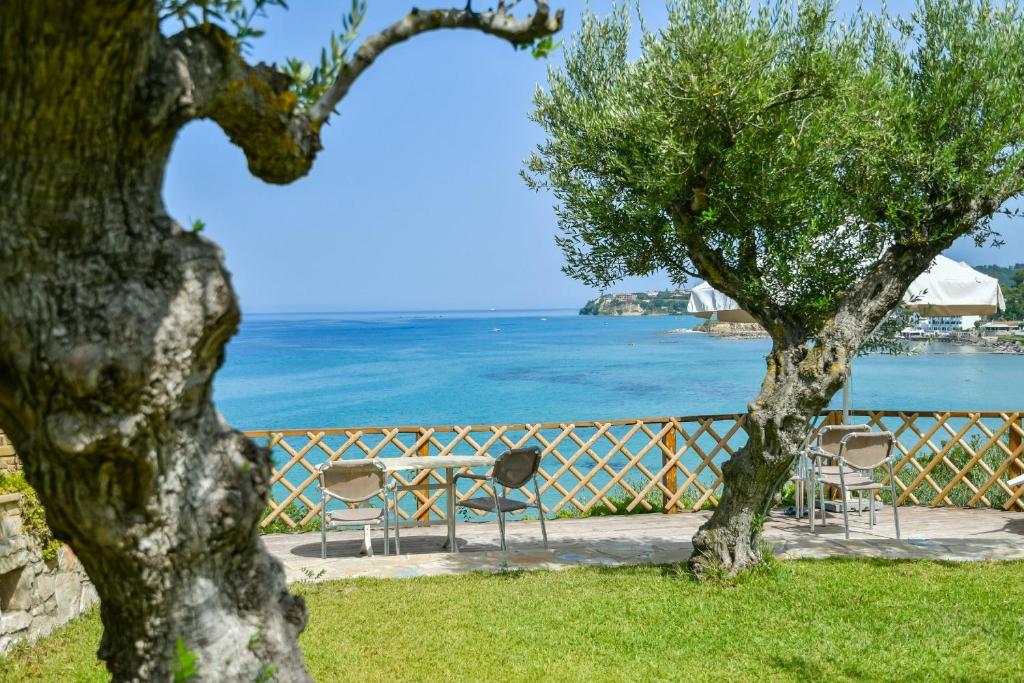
<point x="487" y="504"/>
<point x="513" y="468"/>
<point x="354" y="482"/>
<point x="832" y="472"/>
<point x="854" y="482"/>
<point x="357" y="516"/>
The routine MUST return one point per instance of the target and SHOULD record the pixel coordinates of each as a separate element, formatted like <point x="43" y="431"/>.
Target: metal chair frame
<point x="326" y="495"/>
<point x="495" y="483"/>
<point x="815" y="454"/>
<point x="844" y="464"/>
<point x="801" y="476"/>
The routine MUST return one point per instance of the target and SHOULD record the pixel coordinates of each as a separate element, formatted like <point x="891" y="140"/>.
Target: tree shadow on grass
<point x="803" y="668"/>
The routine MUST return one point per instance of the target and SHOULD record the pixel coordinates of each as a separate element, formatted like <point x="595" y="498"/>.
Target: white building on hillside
<point x="941" y="326"/>
<point x="998" y="327"/>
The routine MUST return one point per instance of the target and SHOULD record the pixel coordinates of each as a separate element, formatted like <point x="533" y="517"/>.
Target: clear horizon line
<point x="413" y="310"/>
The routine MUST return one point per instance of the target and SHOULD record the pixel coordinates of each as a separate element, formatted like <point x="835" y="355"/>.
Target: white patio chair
<point x="801" y="473"/>
<point x="356" y="481"/>
<point x="860" y="454"/>
<point x="827" y="448"/>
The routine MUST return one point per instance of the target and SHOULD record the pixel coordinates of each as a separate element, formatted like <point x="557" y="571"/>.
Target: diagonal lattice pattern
<point x="666" y="463"/>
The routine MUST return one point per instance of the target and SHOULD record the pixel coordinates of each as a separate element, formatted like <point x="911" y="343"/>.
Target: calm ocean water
<point x="324" y="370"/>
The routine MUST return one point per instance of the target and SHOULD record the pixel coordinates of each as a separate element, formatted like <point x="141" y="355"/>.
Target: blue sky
<point x="415" y="203"/>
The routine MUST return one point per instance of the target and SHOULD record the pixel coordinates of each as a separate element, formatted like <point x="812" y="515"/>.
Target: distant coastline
<point x="476" y="313"/>
<point x="654" y="302"/>
<point x="989" y="344"/>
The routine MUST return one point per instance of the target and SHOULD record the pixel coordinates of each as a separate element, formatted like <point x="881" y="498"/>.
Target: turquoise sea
<point x="360" y="369"/>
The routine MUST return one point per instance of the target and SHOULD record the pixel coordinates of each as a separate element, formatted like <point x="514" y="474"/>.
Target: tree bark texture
<point x="798" y="385"/>
<point x="804" y="371"/>
<point x="113" y="320"/>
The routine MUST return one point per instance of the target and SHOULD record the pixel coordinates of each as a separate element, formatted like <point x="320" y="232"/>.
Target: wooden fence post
<point x="670" y="475"/>
<point x="1016" y="439"/>
<point x="423" y="496"/>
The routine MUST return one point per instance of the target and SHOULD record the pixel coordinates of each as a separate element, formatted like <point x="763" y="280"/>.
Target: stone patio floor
<point x="928" y="533"/>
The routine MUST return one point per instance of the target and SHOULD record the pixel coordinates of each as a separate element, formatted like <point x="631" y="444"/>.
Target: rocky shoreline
<point x="991" y="345"/>
<point x="726" y="330"/>
<point x="755" y="331"/>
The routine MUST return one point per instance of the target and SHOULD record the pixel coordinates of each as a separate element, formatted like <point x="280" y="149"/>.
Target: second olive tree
<point x="809" y="167"/>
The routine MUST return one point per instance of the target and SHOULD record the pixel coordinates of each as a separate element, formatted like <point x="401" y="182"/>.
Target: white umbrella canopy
<point x="950" y="287"/>
<point x="707" y="302"/>
<point x="947" y="288"/>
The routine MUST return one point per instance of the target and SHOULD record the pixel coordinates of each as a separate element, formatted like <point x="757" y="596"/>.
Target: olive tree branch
<point x="204" y="75"/>
<point x="497" y="23"/>
<point x="207" y="77"/>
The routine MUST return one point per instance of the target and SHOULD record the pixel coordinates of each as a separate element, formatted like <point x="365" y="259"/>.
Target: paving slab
<point x="948" y="534"/>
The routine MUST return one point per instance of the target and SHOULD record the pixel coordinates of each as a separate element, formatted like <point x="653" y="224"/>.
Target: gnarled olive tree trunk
<point x="798" y="385"/>
<point x="113" y="319"/>
<point x="804" y="370"/>
<point x="112" y="323"/>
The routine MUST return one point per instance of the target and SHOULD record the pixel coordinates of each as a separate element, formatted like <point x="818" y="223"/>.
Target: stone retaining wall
<point x="35" y="596"/>
<point x="8" y="458"/>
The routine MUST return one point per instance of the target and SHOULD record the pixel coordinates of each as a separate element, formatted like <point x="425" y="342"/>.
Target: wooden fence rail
<point x="661" y="463"/>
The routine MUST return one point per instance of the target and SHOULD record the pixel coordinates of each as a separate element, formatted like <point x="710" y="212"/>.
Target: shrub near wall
<point x="42" y="584"/>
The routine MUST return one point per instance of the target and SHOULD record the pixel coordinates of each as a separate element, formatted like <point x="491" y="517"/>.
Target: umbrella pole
<point x="846" y="397"/>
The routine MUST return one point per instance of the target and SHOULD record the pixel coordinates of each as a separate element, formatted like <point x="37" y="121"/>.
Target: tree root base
<point x="722" y="553"/>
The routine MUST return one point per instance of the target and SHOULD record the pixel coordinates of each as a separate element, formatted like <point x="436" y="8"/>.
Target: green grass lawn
<point x="800" y="620"/>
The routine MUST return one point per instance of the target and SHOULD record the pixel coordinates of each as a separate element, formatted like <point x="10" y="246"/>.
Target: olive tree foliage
<point x="114" y="317"/>
<point x="807" y="165"/>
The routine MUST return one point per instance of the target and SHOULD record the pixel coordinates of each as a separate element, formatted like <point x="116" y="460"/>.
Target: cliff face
<point x="611" y="306"/>
<point x="667" y="302"/>
<point x="732" y="330"/>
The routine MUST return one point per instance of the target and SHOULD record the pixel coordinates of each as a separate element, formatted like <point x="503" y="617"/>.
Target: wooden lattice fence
<point x="655" y="464"/>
